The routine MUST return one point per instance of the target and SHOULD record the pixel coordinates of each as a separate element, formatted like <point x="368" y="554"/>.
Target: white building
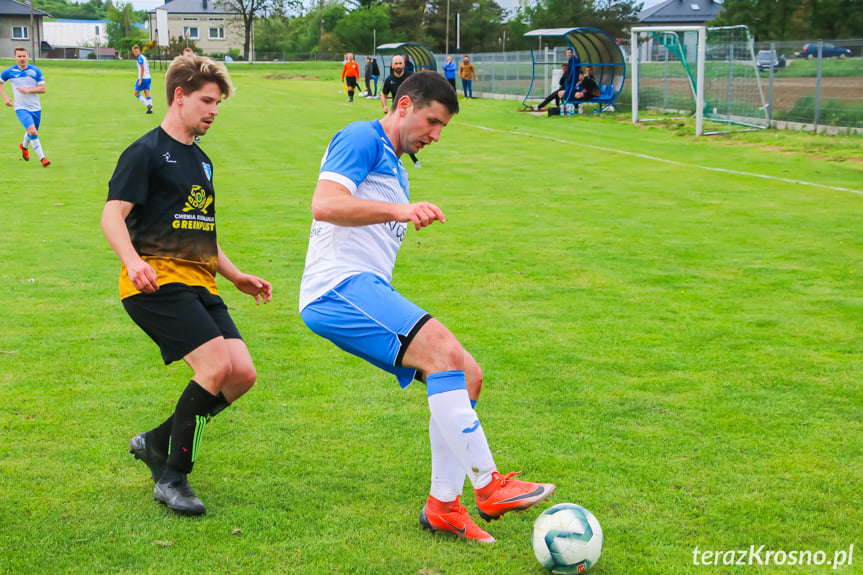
<point x="64" y="32"/>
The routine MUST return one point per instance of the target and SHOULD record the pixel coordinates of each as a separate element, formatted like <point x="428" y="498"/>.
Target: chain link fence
<point x="801" y="89"/>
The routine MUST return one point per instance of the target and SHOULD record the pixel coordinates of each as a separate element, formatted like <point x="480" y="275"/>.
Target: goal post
<point x="697" y="82"/>
<point x="708" y="73"/>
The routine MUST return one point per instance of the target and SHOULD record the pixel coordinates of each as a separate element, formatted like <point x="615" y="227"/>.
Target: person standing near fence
<point x="449" y="71"/>
<point x="467" y="73"/>
<point x="369" y="74"/>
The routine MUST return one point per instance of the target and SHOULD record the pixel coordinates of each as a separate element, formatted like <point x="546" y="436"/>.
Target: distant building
<point x="211" y="27"/>
<point x="67" y="32"/>
<point x="58" y="52"/>
<point x="680" y="13"/>
<point x="15" y="29"/>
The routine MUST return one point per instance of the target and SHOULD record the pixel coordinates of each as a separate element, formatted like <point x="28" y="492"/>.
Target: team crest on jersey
<point x="198" y="200"/>
<point x="208" y="170"/>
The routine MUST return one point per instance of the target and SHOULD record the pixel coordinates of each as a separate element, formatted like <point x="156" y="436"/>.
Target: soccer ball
<point x="567" y="538"/>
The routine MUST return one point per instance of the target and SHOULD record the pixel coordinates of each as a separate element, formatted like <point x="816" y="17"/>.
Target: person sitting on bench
<point x="556" y="95"/>
<point x="586" y="88"/>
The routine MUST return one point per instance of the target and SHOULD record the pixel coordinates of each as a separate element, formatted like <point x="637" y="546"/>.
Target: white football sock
<point x="459" y="426"/>
<point x="447" y="474"/>
<point x="37" y="147"/>
<point x="26" y="141"/>
<point x="142" y="99"/>
<point x="149" y="101"/>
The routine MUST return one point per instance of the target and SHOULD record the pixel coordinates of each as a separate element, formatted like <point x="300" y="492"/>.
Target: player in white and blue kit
<point x="142" y="83"/>
<point x="361" y="209"/>
<point x="27" y="83"/>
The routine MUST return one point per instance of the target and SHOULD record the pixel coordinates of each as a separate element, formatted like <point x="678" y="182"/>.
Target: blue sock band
<point x="473" y="404"/>
<point x="33" y="136"/>
<point x="444" y="381"/>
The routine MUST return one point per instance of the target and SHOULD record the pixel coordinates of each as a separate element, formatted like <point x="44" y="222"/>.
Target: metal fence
<point x="802" y="91"/>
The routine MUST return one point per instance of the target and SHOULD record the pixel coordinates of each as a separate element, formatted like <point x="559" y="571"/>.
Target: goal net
<point x="693" y="71"/>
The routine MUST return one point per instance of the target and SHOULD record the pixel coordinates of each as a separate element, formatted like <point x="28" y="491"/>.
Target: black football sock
<point x="189" y="419"/>
<point x="161" y="435"/>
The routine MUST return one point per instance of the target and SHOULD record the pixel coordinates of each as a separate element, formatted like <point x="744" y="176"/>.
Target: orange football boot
<point x="451" y="517"/>
<point x="504" y="494"/>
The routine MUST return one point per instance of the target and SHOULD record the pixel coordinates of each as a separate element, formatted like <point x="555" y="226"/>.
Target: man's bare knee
<point x="473" y="378"/>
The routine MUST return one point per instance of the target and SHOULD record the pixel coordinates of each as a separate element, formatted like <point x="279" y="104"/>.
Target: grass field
<point x="669" y="327"/>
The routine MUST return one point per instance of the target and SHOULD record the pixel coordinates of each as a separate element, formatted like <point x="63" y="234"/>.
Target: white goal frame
<point x="699" y="73"/>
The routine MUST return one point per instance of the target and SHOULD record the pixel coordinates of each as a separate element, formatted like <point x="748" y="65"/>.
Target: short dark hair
<point x="191" y="73"/>
<point x="426" y="87"/>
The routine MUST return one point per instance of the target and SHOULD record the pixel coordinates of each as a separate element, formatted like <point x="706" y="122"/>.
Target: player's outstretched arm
<point x="258" y="288"/>
<point x="6" y="99"/>
<point x="141" y="274"/>
<point x="334" y="204"/>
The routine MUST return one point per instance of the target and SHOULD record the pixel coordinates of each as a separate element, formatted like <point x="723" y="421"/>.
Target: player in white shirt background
<point x="142" y="84"/>
<point x="27" y="83"/>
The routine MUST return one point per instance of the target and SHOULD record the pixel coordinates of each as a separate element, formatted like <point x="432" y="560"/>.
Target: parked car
<point x="810" y="51"/>
<point x="767" y="58"/>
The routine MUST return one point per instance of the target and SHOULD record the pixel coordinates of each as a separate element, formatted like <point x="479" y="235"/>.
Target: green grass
<point x="678" y="349"/>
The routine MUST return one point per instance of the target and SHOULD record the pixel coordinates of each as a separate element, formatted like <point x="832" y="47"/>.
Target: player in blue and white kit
<point x="142" y="84"/>
<point x="361" y="209"/>
<point x="27" y="83"/>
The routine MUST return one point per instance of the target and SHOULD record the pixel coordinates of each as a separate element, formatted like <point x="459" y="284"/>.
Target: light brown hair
<point x="191" y="73"/>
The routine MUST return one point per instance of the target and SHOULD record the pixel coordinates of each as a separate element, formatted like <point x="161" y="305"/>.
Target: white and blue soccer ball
<point x="567" y="538"/>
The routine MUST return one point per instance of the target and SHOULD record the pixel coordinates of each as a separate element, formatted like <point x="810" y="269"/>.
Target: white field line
<point x="665" y="161"/>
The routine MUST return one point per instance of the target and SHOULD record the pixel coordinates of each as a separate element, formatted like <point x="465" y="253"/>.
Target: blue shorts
<point x="141" y="85"/>
<point x="28" y="118"/>
<point x="365" y="316"/>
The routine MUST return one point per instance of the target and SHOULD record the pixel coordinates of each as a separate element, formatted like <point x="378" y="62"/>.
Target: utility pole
<point x="447" y="27"/>
<point x="33" y="33"/>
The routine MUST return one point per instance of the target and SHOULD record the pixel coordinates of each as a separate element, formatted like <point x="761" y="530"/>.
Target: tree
<point x="482" y="25"/>
<point x="92" y="10"/>
<point x="407" y="18"/>
<point x="249" y="10"/>
<point x="614" y="17"/>
<point x="122" y="33"/>
<point x="795" y="19"/>
<point x="360" y="29"/>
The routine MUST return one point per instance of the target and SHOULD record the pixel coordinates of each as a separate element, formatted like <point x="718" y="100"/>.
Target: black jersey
<point x="392" y="84"/>
<point x="173" y="222"/>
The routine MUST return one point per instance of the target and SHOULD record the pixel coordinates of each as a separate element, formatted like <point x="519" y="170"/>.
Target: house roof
<point x="193" y="7"/>
<point x="681" y="12"/>
<point x="12" y="8"/>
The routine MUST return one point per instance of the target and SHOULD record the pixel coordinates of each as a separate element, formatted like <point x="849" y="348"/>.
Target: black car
<point x="767" y="58"/>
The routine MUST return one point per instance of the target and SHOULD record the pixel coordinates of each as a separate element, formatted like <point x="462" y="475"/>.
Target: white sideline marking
<point x="663" y="160"/>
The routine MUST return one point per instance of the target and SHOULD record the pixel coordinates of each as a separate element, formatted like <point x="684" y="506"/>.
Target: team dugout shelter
<point x="420" y="56"/>
<point x="593" y="48"/>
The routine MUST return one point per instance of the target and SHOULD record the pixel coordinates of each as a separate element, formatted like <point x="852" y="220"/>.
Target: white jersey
<point x="361" y="158"/>
<point x="142" y="61"/>
<point x="29" y="77"/>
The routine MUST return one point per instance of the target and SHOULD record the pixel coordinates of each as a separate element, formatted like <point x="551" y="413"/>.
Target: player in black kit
<point x="160" y="220"/>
